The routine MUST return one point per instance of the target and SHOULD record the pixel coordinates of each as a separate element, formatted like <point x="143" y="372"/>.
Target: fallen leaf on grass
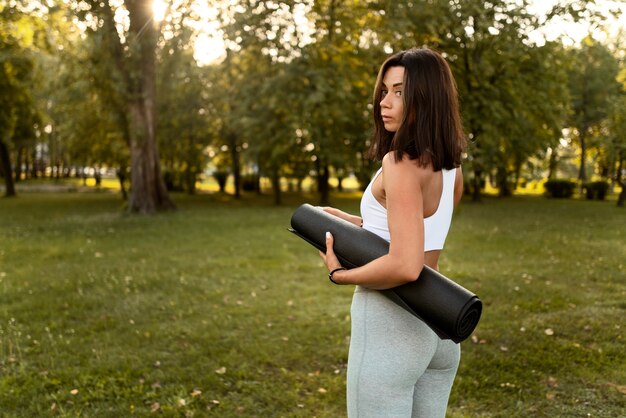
<point x="181" y="402"/>
<point x="74" y="391"/>
<point x="550" y="396"/>
<point x="322" y="390"/>
<point x="548" y="331"/>
<point x="504" y="348"/>
<point x="196" y="393"/>
<point x="551" y="382"/>
<point x="155" y="407"/>
<point x="221" y="370"/>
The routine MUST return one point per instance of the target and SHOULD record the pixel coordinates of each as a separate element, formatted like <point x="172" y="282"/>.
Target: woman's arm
<point x="405" y="218"/>
<point x="343" y="215"/>
<point x="458" y="187"/>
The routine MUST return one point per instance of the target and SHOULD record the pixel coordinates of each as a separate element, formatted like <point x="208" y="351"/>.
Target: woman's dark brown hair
<point x="431" y="130"/>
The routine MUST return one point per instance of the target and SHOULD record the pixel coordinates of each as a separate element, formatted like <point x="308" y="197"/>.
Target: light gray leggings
<point x="397" y="366"/>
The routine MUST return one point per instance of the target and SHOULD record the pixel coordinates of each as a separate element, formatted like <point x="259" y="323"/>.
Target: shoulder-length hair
<point x="431" y="130"/>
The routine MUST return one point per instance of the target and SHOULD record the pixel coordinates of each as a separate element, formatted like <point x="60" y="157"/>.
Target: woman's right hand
<point x="343" y="215"/>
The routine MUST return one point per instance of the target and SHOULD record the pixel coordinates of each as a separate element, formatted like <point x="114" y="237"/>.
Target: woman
<point x="397" y="366"/>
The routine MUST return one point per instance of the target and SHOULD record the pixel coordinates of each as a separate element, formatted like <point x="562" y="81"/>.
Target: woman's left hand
<point x="330" y="259"/>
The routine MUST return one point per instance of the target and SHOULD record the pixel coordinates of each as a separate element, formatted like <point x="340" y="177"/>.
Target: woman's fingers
<point x="331" y="259"/>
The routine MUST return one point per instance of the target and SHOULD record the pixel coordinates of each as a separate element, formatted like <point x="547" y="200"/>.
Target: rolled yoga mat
<point x="448" y="309"/>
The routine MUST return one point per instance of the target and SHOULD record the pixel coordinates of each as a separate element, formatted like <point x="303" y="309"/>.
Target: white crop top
<point x="436" y="226"/>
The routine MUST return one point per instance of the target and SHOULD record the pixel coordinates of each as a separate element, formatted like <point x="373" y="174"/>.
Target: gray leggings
<point x="397" y="366"/>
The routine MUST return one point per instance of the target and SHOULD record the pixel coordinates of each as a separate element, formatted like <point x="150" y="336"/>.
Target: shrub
<point x="249" y="182"/>
<point x="221" y="177"/>
<point x="596" y="189"/>
<point x="560" y="188"/>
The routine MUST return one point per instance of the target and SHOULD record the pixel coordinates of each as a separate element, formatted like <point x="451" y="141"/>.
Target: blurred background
<point x="274" y="96"/>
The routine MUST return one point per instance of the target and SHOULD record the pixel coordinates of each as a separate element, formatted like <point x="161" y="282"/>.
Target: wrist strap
<point x="330" y="275"/>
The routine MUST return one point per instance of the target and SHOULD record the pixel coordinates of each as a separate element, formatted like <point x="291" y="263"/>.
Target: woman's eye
<point x="399" y="93"/>
<point x="384" y="93"/>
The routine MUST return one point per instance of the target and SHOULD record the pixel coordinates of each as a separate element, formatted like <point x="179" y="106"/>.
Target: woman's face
<point x="391" y="103"/>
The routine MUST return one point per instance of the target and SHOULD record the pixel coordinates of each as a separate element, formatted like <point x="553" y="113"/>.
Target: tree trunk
<point x="190" y="179"/>
<point x="622" y="183"/>
<point x="476" y="185"/>
<point x="340" y="184"/>
<point x="26" y="165"/>
<point x="258" y="176"/>
<point x="18" y="164"/>
<point x="121" y="175"/>
<point x="235" y="156"/>
<point x="5" y="162"/>
<point x="503" y="182"/>
<point x="35" y="164"/>
<point x="276" y="187"/>
<point x="582" y="173"/>
<point x="322" y="183"/>
<point x="148" y="193"/>
<point x="552" y="164"/>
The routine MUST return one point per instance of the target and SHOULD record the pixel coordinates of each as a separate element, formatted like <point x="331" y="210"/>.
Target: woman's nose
<point x="384" y="102"/>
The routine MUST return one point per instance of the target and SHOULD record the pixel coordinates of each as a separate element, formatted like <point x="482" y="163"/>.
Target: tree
<point x="511" y="93"/>
<point x="133" y="72"/>
<point x="310" y="87"/>
<point x="16" y="105"/>
<point x="592" y="84"/>
<point x="617" y="140"/>
<point x="184" y="128"/>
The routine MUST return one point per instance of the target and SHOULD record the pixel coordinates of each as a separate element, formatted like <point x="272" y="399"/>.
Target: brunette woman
<point x="397" y="365"/>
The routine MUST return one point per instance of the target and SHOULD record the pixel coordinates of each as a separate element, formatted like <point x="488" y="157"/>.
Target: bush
<point x="596" y="189"/>
<point x="560" y="188"/>
<point x="249" y="182"/>
<point x="221" y="177"/>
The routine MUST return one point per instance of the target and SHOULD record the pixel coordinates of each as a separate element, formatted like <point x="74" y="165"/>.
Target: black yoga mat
<point x="447" y="308"/>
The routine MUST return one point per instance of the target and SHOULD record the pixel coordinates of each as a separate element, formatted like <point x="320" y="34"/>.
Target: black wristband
<point x="330" y="275"/>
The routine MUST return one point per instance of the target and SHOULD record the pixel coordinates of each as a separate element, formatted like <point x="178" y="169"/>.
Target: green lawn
<point x="215" y="310"/>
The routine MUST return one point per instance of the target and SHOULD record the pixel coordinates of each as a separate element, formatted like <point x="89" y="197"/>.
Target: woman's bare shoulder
<point x="405" y="166"/>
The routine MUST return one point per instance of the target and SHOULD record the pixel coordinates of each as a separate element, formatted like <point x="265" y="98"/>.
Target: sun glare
<point x="158" y="9"/>
<point x="576" y="31"/>
<point x="209" y="46"/>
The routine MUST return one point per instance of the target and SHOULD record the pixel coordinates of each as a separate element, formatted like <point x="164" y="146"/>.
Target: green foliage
<point x="560" y="188"/>
<point x="292" y="99"/>
<point x="596" y="190"/>
<point x="226" y="314"/>
<point x="186" y="130"/>
<point x="593" y="86"/>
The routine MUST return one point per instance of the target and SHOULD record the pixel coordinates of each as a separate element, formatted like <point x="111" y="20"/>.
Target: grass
<point x="216" y="311"/>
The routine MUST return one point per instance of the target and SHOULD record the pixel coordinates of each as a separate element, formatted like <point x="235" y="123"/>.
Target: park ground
<point x="215" y="310"/>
